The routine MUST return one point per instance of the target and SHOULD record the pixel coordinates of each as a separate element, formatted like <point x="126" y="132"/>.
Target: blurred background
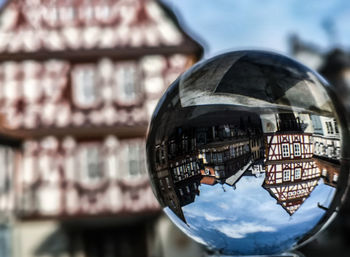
<point x="79" y="80"/>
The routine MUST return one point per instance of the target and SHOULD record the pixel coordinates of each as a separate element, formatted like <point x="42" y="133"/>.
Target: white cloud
<point x="223" y="206"/>
<point x="241" y="230"/>
<point x="210" y="217"/>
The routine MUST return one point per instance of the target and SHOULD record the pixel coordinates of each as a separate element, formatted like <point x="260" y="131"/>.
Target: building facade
<point x="78" y="82"/>
<point x="291" y="172"/>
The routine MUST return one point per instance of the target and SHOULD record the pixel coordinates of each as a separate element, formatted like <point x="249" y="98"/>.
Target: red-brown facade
<point x="79" y="81"/>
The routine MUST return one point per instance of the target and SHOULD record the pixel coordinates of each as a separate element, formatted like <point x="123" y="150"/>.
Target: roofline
<point x="175" y="15"/>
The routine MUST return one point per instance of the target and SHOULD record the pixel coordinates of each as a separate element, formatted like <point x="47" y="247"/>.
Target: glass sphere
<point x="246" y="153"/>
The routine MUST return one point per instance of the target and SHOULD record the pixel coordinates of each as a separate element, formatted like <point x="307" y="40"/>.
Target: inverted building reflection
<point x="293" y="151"/>
<point x="291" y="173"/>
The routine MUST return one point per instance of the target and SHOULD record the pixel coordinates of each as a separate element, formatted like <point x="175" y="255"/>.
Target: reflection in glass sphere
<point x="246" y="153"/>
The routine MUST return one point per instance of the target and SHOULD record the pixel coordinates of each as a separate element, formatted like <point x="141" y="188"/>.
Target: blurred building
<point x="334" y="65"/>
<point x="78" y="82"/>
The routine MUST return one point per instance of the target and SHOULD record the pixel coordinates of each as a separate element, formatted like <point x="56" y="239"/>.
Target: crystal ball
<point x="247" y="153"/>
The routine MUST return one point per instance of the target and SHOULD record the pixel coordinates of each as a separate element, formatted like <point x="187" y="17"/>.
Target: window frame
<point x="295" y="151"/>
<point x="286" y="178"/>
<point x="295" y="173"/>
<point x="83" y="159"/>
<point x="78" y="86"/>
<point x="119" y="86"/>
<point x="283" y="152"/>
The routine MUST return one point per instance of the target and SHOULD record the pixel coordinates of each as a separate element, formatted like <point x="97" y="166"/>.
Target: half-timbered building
<point x="78" y="83"/>
<point x="291" y="173"/>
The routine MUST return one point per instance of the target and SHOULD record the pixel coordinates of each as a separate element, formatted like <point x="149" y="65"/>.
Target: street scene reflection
<point x="277" y="163"/>
<point x="302" y="150"/>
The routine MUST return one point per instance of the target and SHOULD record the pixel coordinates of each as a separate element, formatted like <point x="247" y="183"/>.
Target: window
<point x="286" y="175"/>
<point x="297" y="149"/>
<point x="172" y="147"/>
<point x="181" y="192"/>
<point x="232" y="151"/>
<point x="126" y="82"/>
<point x="336" y="127"/>
<point x="220" y="156"/>
<point x="85" y="92"/>
<point x="329" y="127"/>
<point x="135" y="160"/>
<point x="178" y="171"/>
<point x="91" y="163"/>
<point x="157" y="156"/>
<point x="335" y="178"/>
<point x="297" y="173"/>
<point x="167" y="182"/>
<point x="161" y="184"/>
<point x="285" y="150"/>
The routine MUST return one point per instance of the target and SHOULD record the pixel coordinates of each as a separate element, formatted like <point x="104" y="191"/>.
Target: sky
<point x="248" y="220"/>
<point x="264" y="24"/>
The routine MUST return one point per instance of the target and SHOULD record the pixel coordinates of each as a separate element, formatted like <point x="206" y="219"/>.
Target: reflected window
<point x="335" y="178"/>
<point x="161" y="184"/>
<point x="336" y="127"/>
<point x="285" y="150"/>
<point x="167" y="182"/>
<point x="84" y="80"/>
<point x="286" y="175"/>
<point x="297" y="149"/>
<point x="181" y="192"/>
<point x="157" y="156"/>
<point x="297" y="173"/>
<point x="329" y="127"/>
<point x="220" y="157"/>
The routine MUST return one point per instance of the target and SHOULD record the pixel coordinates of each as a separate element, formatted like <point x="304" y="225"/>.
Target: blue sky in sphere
<point x="248" y="220"/>
<point x="264" y="24"/>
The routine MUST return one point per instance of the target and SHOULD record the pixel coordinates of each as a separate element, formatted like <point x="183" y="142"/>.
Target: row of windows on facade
<point x="93" y="164"/>
<point x="187" y="189"/>
<point x="286" y="150"/>
<point x="89" y="89"/>
<point x="184" y="169"/>
<point x="287" y="174"/>
<point x="256" y="142"/>
<point x="219" y="157"/>
<point x="298" y="193"/>
<point x="90" y="160"/>
<point x="330" y="151"/>
<point x="327" y="175"/>
<point x="332" y="127"/>
<point x="125" y="82"/>
<point x="189" y="141"/>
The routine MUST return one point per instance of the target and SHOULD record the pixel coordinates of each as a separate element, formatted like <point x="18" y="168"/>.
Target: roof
<point x="86" y="28"/>
<point x="209" y="180"/>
